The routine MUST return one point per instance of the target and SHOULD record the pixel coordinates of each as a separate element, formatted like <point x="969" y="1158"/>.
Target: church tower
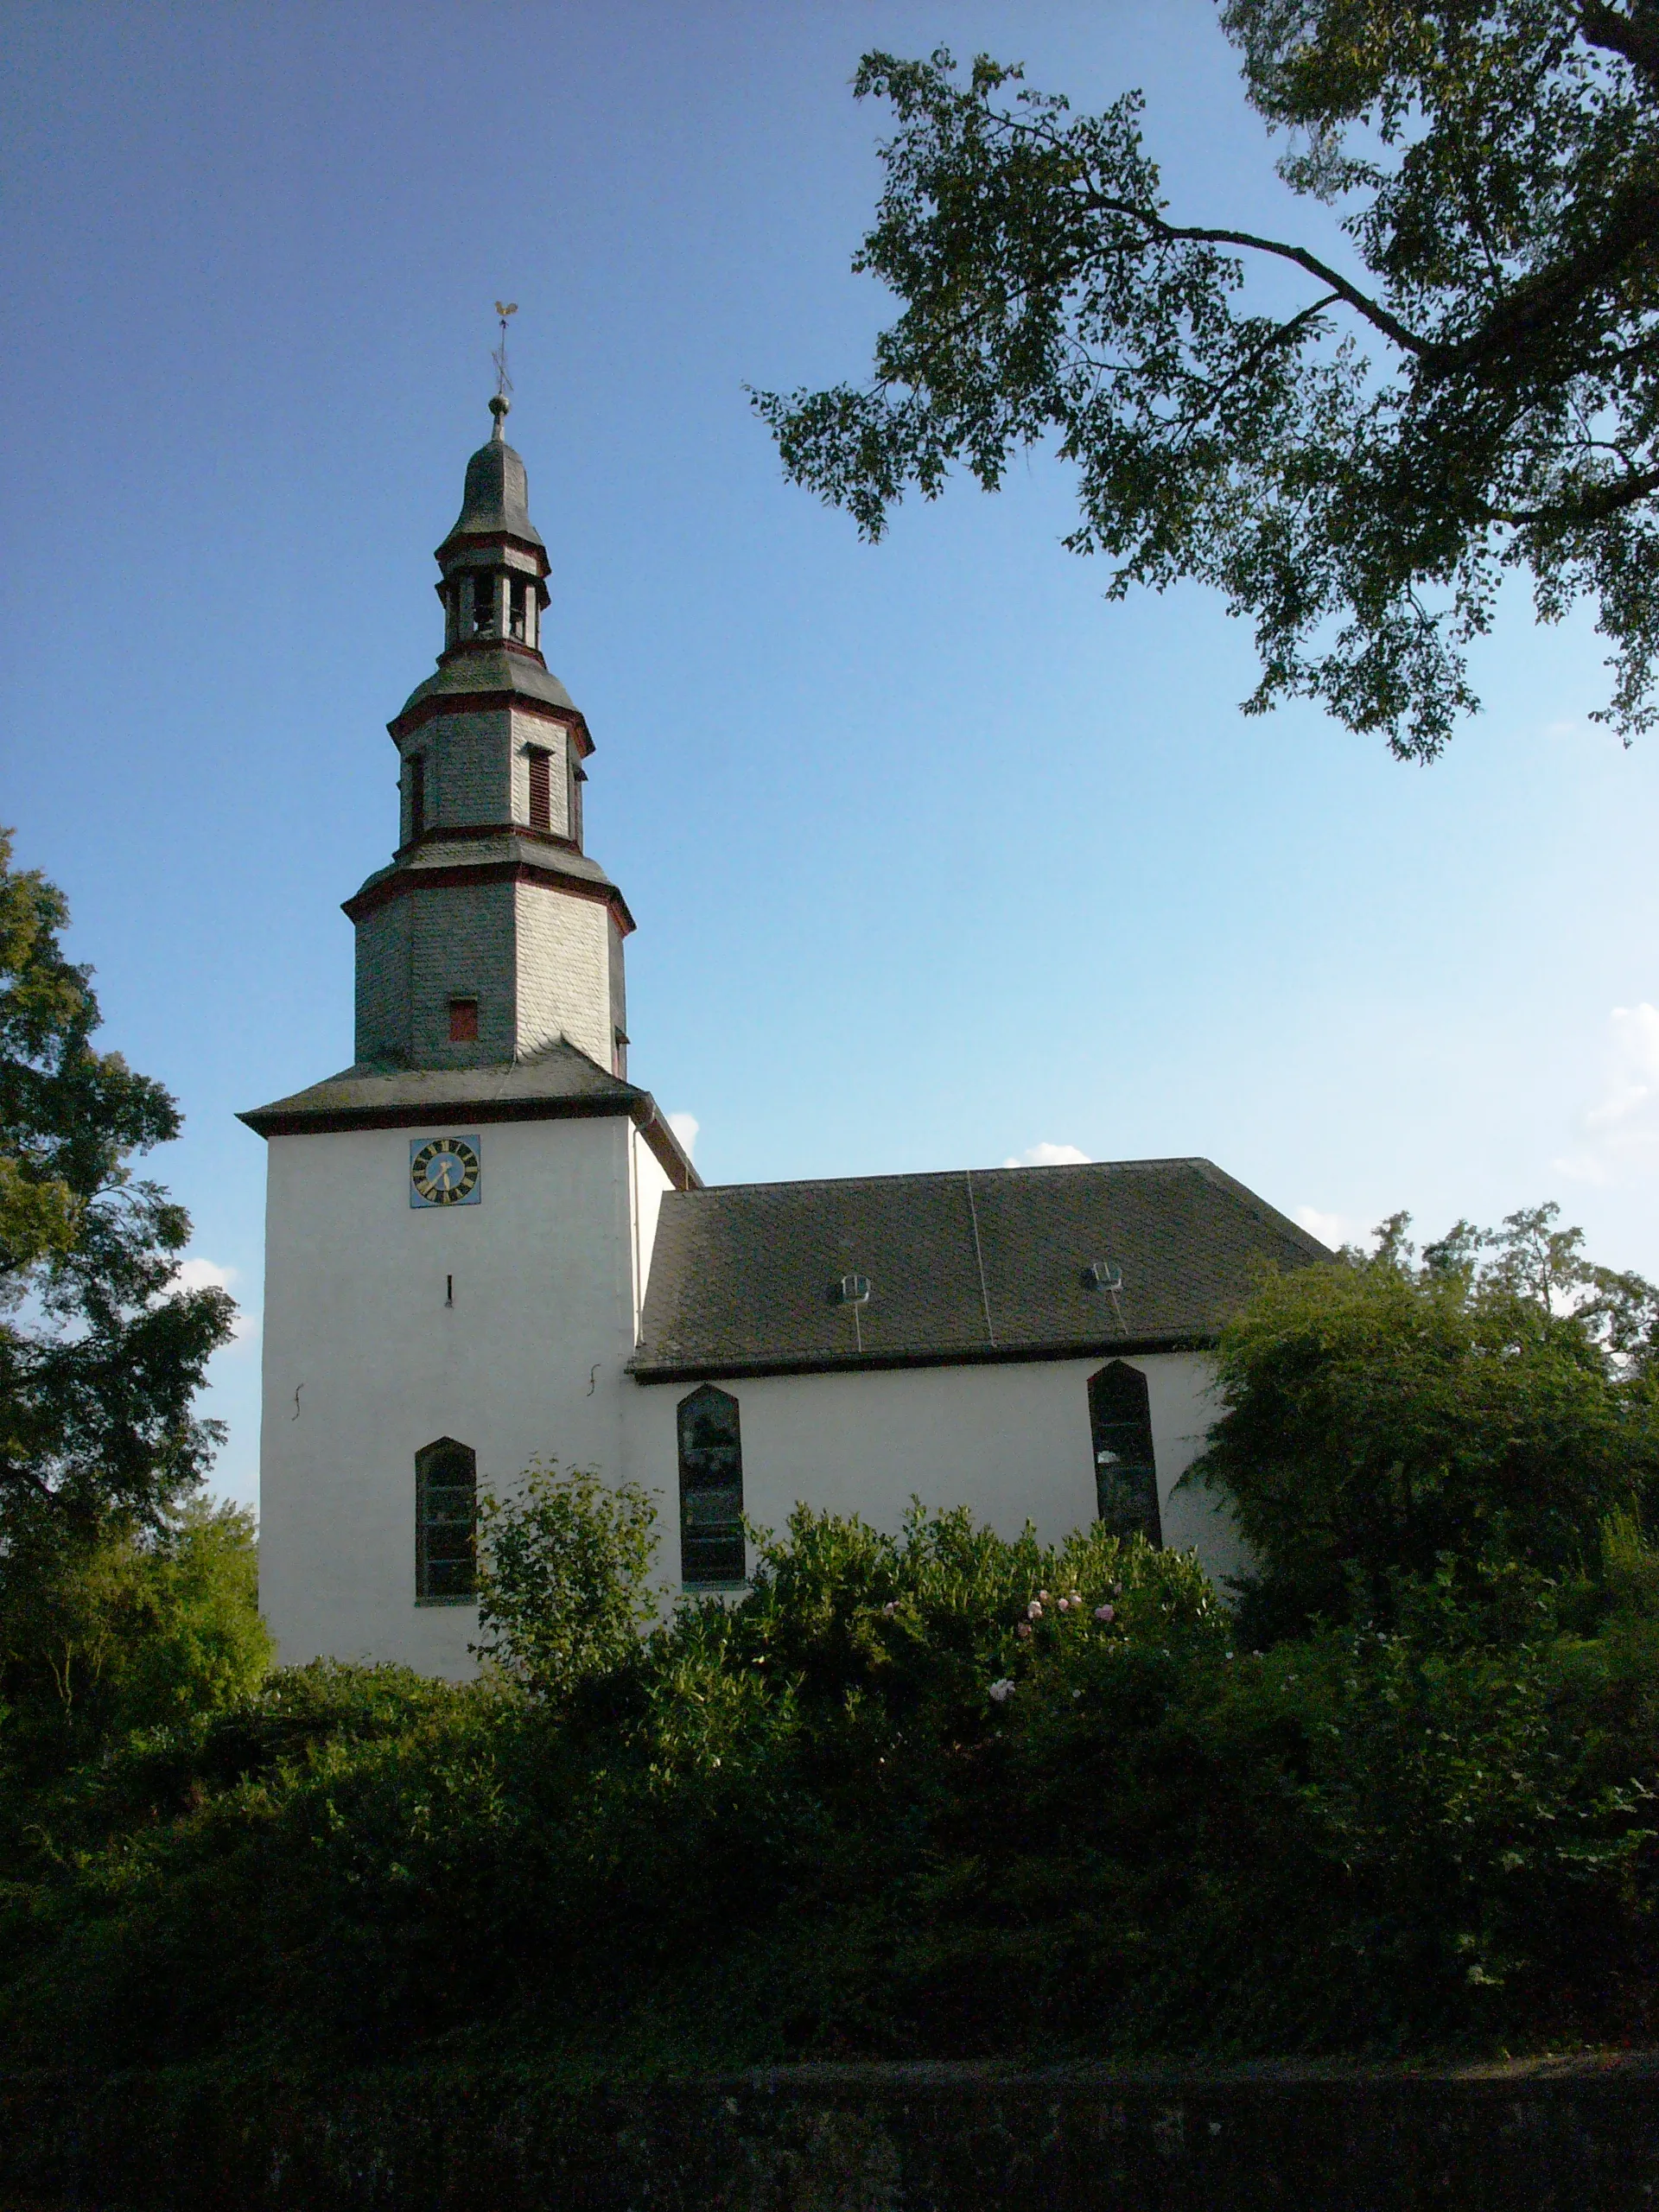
<point x="491" y="934"/>
<point x="459" y="1225"/>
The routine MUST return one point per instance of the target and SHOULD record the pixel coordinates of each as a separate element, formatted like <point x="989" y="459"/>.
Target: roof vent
<point x="1104" y="1275"/>
<point x="852" y="1290"/>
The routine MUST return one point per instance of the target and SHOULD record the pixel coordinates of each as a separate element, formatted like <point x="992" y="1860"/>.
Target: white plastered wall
<point x="1009" y="1440"/>
<point x="528" y="1360"/>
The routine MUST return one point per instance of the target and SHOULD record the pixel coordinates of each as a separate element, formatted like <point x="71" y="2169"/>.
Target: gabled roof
<point x="745" y="1278"/>
<point x="558" y="1084"/>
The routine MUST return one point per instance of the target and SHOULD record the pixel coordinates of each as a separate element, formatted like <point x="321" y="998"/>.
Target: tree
<point x="101" y="1352"/>
<point x="128" y="1629"/>
<point x="1476" y="390"/>
<point x="563" y="1567"/>
<point x="1493" y="1401"/>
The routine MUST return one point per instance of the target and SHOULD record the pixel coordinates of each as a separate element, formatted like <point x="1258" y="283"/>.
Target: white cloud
<point x="1048" y="1155"/>
<point x="1333" y="1228"/>
<point x="1619" y="1135"/>
<point x="685" y="1127"/>
<point x="198" y="1273"/>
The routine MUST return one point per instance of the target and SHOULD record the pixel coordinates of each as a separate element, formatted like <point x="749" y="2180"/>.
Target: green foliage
<point x="124" y="1632"/>
<point x="1383" y="1415"/>
<point x="1495" y="167"/>
<point x="936" y="1793"/>
<point x="96" y="1382"/>
<point x="563" y="1568"/>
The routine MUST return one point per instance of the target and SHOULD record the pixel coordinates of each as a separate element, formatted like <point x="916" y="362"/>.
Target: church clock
<point x="444" y="1172"/>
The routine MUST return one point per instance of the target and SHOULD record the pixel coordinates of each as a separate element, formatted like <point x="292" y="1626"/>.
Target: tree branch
<point x="1595" y="507"/>
<point x="1373" y="311"/>
<point x="1639" y="42"/>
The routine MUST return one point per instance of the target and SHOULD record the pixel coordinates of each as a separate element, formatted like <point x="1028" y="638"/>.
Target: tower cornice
<point x="404" y="880"/>
<point x="486" y="540"/>
<point x="440" y="703"/>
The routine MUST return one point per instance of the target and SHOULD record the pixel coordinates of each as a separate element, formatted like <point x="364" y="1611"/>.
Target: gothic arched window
<point x="1126" y="1469"/>
<point x="446" y="1512"/>
<point x="712" y="1554"/>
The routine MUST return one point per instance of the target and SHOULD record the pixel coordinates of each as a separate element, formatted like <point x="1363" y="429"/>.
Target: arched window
<point x="712" y="1554"/>
<point x="446" y="1505"/>
<point x="1126" y="1471"/>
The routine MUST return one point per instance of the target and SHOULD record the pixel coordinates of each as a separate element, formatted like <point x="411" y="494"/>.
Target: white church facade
<point x="485" y="1245"/>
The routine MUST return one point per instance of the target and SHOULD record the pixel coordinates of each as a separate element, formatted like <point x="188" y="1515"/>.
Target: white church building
<point x="485" y="1246"/>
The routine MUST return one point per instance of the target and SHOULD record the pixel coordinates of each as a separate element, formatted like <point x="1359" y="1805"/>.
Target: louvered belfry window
<point x="541" y="789"/>
<point x="712" y="1554"/>
<point x="1126" y="1468"/>
<point x="445" y="1508"/>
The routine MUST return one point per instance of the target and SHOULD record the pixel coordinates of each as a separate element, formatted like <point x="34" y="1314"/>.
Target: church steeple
<point x="491" y="935"/>
<point x="494" y="561"/>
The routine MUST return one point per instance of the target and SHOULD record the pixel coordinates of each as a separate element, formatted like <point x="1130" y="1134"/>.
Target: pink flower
<point x="1002" y="1691"/>
<point x="1023" y="1628"/>
<point x="1034" y="1610"/>
<point x="1043" y="1594"/>
<point x="1105" y="1613"/>
<point x="1065" y="1604"/>
<point x="891" y="1607"/>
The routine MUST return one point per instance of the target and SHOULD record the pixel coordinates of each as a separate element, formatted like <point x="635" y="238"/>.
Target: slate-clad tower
<point x="491" y="933"/>
<point x="458" y="1225"/>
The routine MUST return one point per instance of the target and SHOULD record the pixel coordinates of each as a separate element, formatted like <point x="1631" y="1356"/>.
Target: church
<point x="484" y="1244"/>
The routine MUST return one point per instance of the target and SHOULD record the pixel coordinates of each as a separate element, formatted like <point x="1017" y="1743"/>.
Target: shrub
<point x="1381" y="1414"/>
<point x="564" y="1564"/>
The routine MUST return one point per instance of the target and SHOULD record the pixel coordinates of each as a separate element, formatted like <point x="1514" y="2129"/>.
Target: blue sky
<point x="937" y="857"/>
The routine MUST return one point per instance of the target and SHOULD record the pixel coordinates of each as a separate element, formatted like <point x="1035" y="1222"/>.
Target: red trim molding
<point x="479" y="703"/>
<point x="465" y="874"/>
<point x="484" y="541"/>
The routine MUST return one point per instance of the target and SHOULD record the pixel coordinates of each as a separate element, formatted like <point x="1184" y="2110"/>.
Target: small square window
<point x="463" y="1022"/>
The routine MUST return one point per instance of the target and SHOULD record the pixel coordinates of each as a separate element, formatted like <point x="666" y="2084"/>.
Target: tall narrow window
<point x="463" y="1022"/>
<point x="483" y="601"/>
<point x="516" y="588"/>
<point x="1126" y="1469"/>
<point x="578" y="778"/>
<point x="712" y="1555"/>
<point x="446" y="1510"/>
<point x="541" y="789"/>
<point x="417" y="795"/>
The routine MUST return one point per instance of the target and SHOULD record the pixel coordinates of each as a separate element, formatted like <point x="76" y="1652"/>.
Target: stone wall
<point x="1542" y="2137"/>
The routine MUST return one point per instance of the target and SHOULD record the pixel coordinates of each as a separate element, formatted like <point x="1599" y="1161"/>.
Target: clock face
<point x="444" y="1172"/>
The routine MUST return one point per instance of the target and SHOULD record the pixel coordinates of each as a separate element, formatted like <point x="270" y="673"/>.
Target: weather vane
<point x="503" y="381"/>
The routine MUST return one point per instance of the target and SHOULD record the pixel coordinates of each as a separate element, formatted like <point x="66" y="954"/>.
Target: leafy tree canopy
<point x="1490" y="1402"/>
<point x="101" y="1352"/>
<point x="1471" y="387"/>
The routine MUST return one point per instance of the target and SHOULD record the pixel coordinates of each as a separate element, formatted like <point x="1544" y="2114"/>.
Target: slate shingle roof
<point x="991" y="1265"/>
<point x="557" y="1082"/>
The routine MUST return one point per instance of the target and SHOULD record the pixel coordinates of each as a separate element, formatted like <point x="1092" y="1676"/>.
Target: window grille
<point x="1126" y="1469"/>
<point x="446" y="1512"/>
<point x="712" y="1551"/>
